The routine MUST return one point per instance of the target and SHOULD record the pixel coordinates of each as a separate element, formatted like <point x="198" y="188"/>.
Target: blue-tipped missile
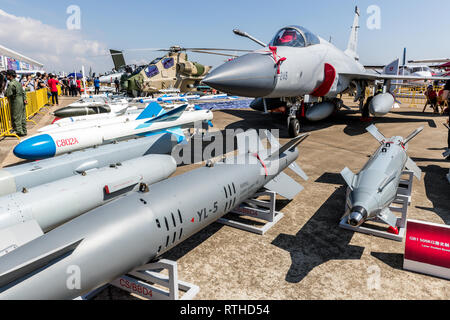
<point x="108" y="242"/>
<point x="28" y="175"/>
<point x="152" y="120"/>
<point x="374" y="188"/>
<point x="50" y="205"/>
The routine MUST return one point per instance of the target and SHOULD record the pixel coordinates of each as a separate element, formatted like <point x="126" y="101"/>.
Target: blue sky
<point x="421" y="26"/>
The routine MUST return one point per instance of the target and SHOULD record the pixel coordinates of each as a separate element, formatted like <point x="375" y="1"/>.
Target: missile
<point x="381" y="104"/>
<point x="152" y="120"/>
<point x="29" y="175"/>
<point x="75" y="111"/>
<point x="50" y="205"/>
<point x="374" y="188"/>
<point x="80" y="122"/>
<point x="110" y="241"/>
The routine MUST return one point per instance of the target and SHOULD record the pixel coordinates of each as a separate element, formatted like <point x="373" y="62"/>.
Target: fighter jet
<point x="301" y="74"/>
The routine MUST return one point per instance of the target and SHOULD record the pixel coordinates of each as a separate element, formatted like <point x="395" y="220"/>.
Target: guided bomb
<point x="112" y="240"/>
<point x="374" y="188"/>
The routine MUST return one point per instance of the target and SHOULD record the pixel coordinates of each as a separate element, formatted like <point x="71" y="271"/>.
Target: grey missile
<point x="28" y="175"/>
<point x="110" y="241"/>
<point x="52" y="204"/>
<point x="374" y="188"/>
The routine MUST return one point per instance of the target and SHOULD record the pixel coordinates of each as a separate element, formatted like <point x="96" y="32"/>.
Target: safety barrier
<point x="6" y="129"/>
<point x="36" y="101"/>
<point x="413" y="96"/>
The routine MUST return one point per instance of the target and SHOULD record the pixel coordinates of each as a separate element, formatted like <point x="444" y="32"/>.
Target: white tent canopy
<point x="14" y="60"/>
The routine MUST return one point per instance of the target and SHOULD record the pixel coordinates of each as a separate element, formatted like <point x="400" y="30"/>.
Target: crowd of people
<point x="15" y="89"/>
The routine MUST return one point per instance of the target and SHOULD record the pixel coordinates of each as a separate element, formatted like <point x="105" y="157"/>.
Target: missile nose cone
<point x="251" y="75"/>
<point x="36" y="148"/>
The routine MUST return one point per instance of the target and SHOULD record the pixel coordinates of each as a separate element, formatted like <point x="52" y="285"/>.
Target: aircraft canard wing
<point x="374" y="76"/>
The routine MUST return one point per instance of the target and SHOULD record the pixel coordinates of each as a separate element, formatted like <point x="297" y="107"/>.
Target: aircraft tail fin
<point x="118" y="59"/>
<point x="353" y="41"/>
<point x="349" y="177"/>
<point x="373" y="130"/>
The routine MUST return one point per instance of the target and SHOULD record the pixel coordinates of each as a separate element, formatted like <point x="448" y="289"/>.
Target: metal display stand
<point x="143" y="282"/>
<point x="261" y="209"/>
<point x="399" y="205"/>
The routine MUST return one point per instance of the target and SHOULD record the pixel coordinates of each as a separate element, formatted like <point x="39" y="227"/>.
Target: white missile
<point x="152" y="120"/>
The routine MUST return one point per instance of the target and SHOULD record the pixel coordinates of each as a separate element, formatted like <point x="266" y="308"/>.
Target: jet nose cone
<point x="251" y="75"/>
<point x="36" y="148"/>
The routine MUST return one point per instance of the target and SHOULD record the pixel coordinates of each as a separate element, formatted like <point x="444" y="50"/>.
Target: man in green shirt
<point x="17" y="102"/>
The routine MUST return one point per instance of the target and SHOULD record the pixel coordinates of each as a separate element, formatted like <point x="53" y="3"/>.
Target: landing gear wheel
<point x="294" y="127"/>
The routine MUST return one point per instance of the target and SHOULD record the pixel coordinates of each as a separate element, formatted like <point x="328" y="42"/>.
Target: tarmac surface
<point x="306" y="255"/>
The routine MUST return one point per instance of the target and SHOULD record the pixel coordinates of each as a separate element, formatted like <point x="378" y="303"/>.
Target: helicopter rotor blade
<point x="216" y="49"/>
<point x="215" y="53"/>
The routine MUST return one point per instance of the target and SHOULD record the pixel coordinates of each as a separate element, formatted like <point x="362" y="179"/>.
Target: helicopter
<point x="172" y="72"/>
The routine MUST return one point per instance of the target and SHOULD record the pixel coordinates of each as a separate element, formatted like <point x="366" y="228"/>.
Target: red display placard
<point x="427" y="248"/>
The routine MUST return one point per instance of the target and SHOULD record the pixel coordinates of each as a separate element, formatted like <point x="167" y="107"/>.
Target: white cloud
<point x="57" y="49"/>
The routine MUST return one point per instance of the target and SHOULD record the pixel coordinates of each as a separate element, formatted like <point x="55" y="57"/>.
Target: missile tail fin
<point x="249" y="142"/>
<point x="388" y="217"/>
<point x="288" y="146"/>
<point x="151" y="111"/>
<point x="17" y="235"/>
<point x="413" y="135"/>
<point x="349" y="177"/>
<point x="293" y="166"/>
<point x="373" y="130"/>
<point x="412" y="166"/>
<point x="22" y="271"/>
<point x="285" y="186"/>
<point x="169" y="115"/>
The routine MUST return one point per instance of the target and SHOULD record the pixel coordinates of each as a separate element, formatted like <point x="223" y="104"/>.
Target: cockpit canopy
<point x="294" y="36"/>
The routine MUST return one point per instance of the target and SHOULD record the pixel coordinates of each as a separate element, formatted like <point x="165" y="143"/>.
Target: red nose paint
<point x="56" y="119"/>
